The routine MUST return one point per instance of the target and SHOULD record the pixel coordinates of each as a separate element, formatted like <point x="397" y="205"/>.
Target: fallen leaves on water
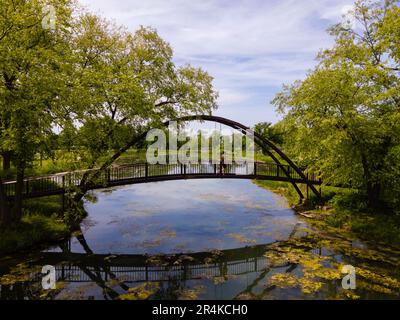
<point x="141" y="292"/>
<point x="190" y="294"/>
<point x="241" y="238"/>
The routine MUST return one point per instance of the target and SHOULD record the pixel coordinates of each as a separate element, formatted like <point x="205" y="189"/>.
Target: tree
<point x="269" y="131"/>
<point x="133" y="83"/>
<point x="95" y="81"/>
<point x="344" y="118"/>
<point x="31" y="80"/>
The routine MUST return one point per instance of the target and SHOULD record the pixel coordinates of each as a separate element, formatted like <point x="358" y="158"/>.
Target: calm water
<point x="200" y="239"/>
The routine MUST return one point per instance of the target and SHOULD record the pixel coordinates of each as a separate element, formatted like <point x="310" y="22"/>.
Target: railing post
<point x="277" y="170"/>
<point x="215" y="169"/>
<point x="184" y="169"/>
<point x="27" y="187"/>
<point x="63" y="193"/>
<point x="255" y="168"/>
<point x="307" y="186"/>
<point x="146" y="170"/>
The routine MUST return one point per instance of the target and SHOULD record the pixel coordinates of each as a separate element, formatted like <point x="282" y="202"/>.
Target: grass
<point x="67" y="161"/>
<point x="282" y="188"/>
<point x="350" y="213"/>
<point x="40" y="224"/>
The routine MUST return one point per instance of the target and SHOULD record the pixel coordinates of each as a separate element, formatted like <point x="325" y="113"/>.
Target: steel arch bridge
<point x="144" y="172"/>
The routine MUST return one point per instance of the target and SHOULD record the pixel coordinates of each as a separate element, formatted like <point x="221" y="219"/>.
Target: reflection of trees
<point x="249" y="289"/>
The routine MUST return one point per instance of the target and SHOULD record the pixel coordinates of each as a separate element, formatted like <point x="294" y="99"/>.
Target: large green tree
<point x="128" y="81"/>
<point x="94" y="81"/>
<point x="344" y="118"/>
<point x="32" y="60"/>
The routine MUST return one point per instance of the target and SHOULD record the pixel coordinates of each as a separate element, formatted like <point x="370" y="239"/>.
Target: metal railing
<point x="142" y="172"/>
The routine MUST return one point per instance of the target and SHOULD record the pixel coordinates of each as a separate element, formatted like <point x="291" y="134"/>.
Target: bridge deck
<point x="143" y="173"/>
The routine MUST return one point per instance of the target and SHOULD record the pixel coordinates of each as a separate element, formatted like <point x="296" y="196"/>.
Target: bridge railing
<point x="274" y="170"/>
<point x="59" y="183"/>
<point x="73" y="273"/>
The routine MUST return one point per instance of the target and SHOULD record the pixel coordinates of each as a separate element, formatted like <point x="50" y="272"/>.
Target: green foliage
<point x="269" y="132"/>
<point x="354" y="201"/>
<point x="97" y="82"/>
<point x="343" y="119"/>
<point x="41" y="223"/>
<point x="282" y="188"/>
<point x="33" y="230"/>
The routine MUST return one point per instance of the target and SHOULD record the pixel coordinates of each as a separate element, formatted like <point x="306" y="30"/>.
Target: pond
<point x="201" y="239"/>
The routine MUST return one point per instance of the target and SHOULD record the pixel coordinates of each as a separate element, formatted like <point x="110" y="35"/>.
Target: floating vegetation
<point x="190" y="294"/>
<point x="20" y="273"/>
<point x="168" y="234"/>
<point x="314" y="270"/>
<point x="142" y="292"/>
<point x="241" y="238"/>
<point x="311" y="265"/>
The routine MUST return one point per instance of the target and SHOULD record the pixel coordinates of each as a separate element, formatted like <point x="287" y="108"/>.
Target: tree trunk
<point x="5" y="212"/>
<point x="6" y="161"/>
<point x="373" y="188"/>
<point x="373" y="193"/>
<point x="18" y="199"/>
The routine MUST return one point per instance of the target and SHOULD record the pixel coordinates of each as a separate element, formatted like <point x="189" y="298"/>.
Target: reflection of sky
<point x="184" y="216"/>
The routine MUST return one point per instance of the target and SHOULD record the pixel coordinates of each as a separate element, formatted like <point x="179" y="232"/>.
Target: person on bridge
<point x="222" y="165"/>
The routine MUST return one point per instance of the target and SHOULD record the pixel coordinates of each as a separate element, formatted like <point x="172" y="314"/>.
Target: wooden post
<point x="63" y="193"/>
<point x="146" y="170"/>
<point x="108" y="175"/>
<point x="307" y="187"/>
<point x="27" y="187"/>
<point x="255" y="168"/>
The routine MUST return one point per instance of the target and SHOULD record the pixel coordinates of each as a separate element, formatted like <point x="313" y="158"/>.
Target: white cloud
<point x="250" y="47"/>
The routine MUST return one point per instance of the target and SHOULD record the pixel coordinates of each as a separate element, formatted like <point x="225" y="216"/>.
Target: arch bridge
<point x="282" y="169"/>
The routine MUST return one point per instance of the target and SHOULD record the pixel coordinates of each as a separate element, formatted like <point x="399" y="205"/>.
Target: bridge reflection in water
<point x="131" y="274"/>
<point x="116" y="274"/>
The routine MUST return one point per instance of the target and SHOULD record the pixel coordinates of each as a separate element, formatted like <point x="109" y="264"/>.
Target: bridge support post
<point x="63" y="194"/>
<point x="108" y="175"/>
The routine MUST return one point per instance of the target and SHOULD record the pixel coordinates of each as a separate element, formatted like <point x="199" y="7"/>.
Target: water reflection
<point x="102" y="276"/>
<point x="200" y="240"/>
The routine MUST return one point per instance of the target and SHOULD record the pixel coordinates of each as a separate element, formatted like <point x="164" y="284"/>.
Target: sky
<point x="250" y="47"/>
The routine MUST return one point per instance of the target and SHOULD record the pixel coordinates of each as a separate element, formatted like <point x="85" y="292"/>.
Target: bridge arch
<point x="265" y="144"/>
<point x="63" y="183"/>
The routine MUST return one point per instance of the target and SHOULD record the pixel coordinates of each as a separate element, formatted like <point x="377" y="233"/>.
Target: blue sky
<point x="250" y="47"/>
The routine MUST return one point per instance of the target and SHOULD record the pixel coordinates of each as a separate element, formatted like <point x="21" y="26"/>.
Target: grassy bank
<point x="41" y="224"/>
<point x="348" y="212"/>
